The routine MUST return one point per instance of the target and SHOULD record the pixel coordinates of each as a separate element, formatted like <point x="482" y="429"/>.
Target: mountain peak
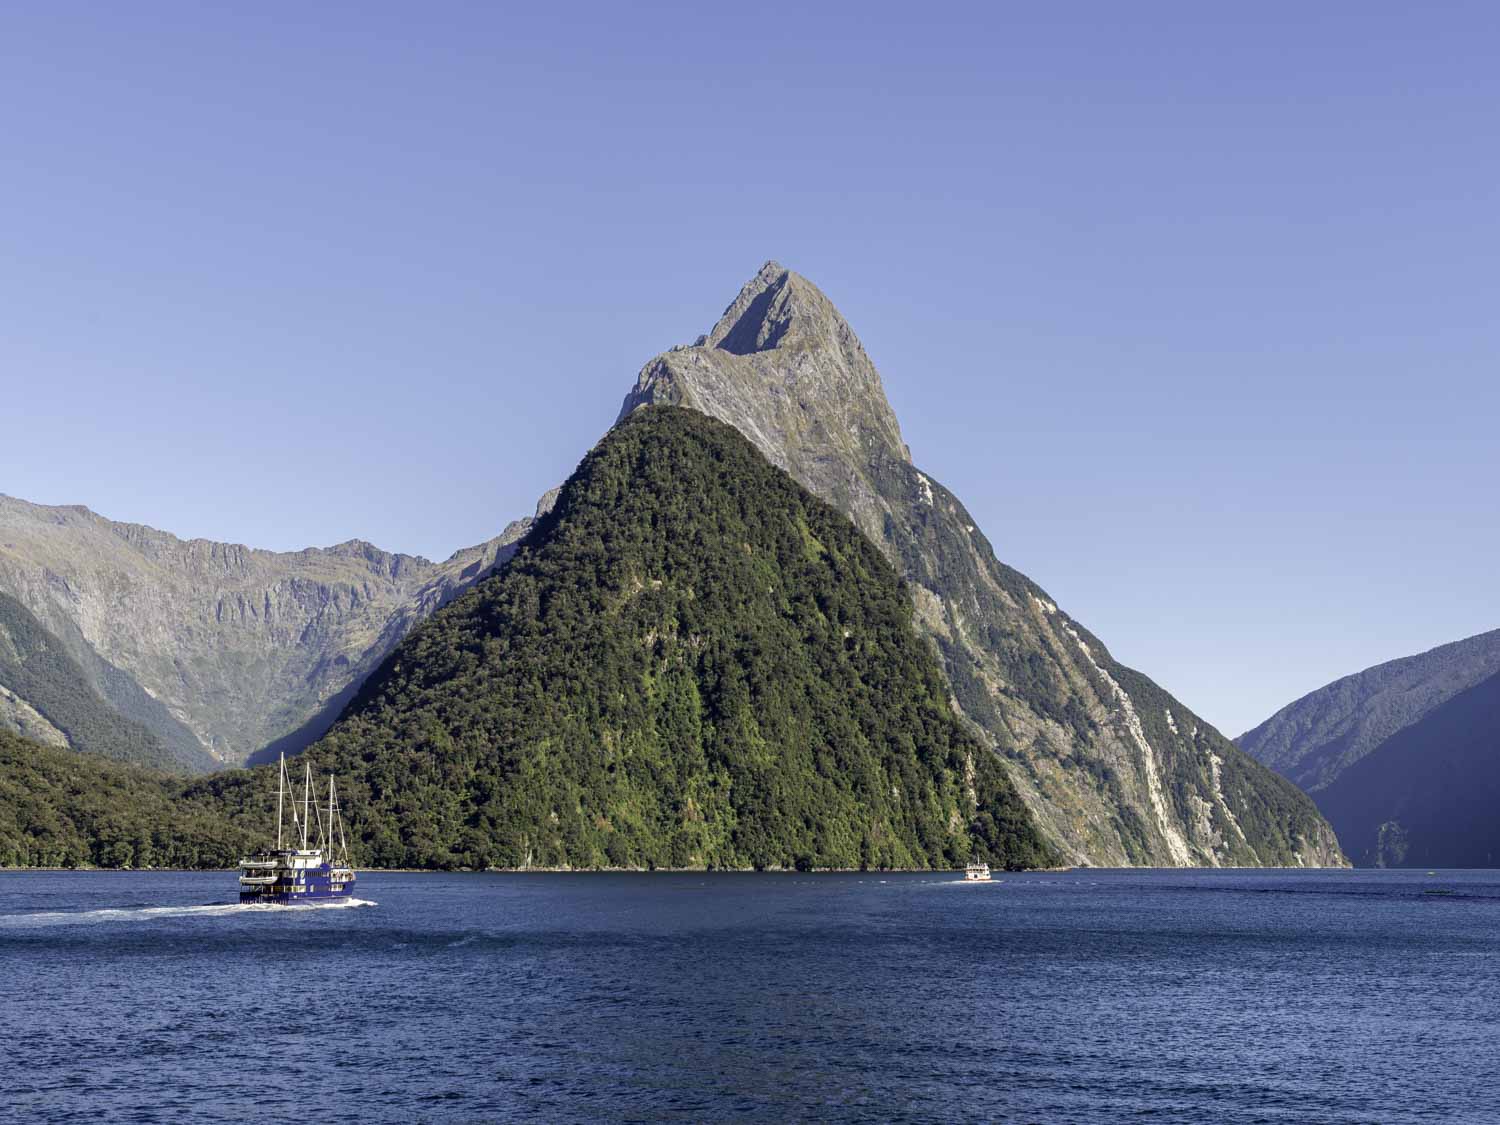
<point x="785" y="369"/>
<point x="778" y="308"/>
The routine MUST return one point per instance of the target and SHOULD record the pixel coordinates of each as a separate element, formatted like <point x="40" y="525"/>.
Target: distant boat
<point x="979" y="872"/>
<point x="294" y="876"/>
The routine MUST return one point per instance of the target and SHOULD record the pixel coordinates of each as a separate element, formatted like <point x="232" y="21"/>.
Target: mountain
<point x="1315" y="739"/>
<point x="1429" y="795"/>
<point x="243" y="653"/>
<point x="690" y="662"/>
<point x="218" y="648"/>
<point x="1116" y="771"/>
<point x="45" y="695"/>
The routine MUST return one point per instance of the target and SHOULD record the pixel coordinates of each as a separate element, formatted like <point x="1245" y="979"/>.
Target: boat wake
<point x="145" y="913"/>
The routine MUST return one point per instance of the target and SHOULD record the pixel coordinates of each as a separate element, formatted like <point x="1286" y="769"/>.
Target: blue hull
<point x="315" y="887"/>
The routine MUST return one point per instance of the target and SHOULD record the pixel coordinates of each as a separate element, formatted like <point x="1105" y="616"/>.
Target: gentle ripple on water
<point x="1086" y="996"/>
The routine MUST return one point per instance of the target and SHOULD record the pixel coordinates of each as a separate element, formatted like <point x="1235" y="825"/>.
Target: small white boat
<point x="977" y="872"/>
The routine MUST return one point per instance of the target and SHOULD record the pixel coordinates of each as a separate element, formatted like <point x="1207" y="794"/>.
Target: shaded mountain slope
<point x="47" y="696"/>
<point x="1429" y="795"/>
<point x="690" y="662"/>
<point x="216" y="646"/>
<point x="1314" y="739"/>
<point x="1116" y="771"/>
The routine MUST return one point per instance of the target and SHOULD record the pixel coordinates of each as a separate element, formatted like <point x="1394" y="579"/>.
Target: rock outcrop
<point x="1115" y="770"/>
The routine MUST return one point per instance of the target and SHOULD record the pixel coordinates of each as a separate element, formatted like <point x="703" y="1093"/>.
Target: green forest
<point x="62" y="808"/>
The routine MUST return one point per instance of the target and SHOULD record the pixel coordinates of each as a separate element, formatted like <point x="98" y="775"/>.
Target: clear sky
<point x="1194" y="305"/>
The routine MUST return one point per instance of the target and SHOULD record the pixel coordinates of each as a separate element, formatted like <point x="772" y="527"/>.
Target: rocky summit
<point x="1115" y="770"/>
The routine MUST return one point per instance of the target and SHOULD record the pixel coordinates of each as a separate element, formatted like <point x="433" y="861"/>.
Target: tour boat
<point x="291" y="876"/>
<point x="979" y="872"/>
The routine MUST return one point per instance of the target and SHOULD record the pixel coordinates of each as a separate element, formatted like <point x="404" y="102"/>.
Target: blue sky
<point x="1194" y="307"/>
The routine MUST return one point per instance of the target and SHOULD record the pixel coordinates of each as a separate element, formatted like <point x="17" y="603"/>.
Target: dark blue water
<point x="1080" y="997"/>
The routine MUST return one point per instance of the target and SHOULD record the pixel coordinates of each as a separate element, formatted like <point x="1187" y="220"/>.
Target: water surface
<point x="1086" y="996"/>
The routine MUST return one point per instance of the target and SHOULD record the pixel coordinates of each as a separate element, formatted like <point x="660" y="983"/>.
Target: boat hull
<point x="314" y="886"/>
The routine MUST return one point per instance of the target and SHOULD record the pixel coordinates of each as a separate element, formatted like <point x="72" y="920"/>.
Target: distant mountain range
<point x="1403" y="758"/>
<point x="241" y="652"/>
<point x="217" y="649"/>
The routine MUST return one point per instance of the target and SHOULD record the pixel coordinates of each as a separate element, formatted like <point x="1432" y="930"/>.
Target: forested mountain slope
<point x="690" y="662"/>
<point x="60" y="808"/>
<point x="1429" y="795"/>
<point x="1314" y="739"/>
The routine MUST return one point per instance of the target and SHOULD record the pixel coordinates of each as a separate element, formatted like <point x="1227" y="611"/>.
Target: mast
<point x="306" y="796"/>
<point x="280" y="798"/>
<point x="343" y="844"/>
<point x="329" y="856"/>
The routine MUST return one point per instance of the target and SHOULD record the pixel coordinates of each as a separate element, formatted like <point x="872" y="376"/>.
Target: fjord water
<point x="1081" y="996"/>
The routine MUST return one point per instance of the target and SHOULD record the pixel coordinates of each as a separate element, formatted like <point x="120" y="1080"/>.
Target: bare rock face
<point x="217" y="644"/>
<point x="783" y="368"/>
<point x="1116" y="771"/>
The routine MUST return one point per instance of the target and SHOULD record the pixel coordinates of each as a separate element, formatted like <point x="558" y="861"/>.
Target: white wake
<point x="142" y="913"/>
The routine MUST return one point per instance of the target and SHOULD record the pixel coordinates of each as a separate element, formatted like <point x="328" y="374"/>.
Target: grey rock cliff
<point x="1116" y="771"/>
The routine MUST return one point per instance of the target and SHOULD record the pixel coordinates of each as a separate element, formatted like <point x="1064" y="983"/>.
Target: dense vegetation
<point x="36" y="667"/>
<point x="61" y="808"/>
<point x="691" y="662"/>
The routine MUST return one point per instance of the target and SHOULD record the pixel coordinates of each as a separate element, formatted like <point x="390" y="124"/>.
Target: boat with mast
<point x="316" y="867"/>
